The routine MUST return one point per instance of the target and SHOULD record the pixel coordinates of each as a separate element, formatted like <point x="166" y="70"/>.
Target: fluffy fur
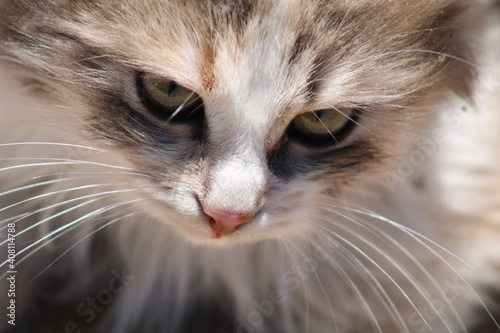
<point x="395" y="229"/>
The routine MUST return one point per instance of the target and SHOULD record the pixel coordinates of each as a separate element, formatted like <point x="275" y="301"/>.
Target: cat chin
<point x="223" y="242"/>
<point x="209" y="240"/>
<point x="246" y="236"/>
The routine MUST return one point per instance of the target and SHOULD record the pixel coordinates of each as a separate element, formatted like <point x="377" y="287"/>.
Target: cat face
<point x="244" y="116"/>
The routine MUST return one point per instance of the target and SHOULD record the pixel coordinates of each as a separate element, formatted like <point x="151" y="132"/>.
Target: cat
<point x="250" y="166"/>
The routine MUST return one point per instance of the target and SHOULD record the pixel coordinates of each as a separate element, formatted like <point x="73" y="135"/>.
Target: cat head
<point x="244" y="116"/>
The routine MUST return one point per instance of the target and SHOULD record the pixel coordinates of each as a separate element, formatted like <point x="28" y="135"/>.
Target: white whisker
<point x="380" y="233"/>
<point x="62" y="162"/>
<point x="31" y="186"/>
<point x="76" y="244"/>
<point x="421" y="239"/>
<point x="410" y="232"/>
<point x="99" y="196"/>
<point x="13" y="144"/>
<point x="330" y="308"/>
<point x="306" y="295"/>
<point x="88" y="174"/>
<point x="381" y="269"/>
<point x="73" y="189"/>
<point x="352" y="285"/>
<point x="69" y="225"/>
<point x="371" y="281"/>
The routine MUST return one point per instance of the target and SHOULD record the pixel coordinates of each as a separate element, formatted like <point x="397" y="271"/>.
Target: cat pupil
<point x="173" y="89"/>
<point x="319" y="115"/>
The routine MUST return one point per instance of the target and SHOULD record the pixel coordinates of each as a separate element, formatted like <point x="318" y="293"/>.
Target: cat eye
<point x="170" y="101"/>
<point x="328" y="126"/>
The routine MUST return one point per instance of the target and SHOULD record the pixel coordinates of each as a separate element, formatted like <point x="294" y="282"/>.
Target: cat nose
<point x="224" y="222"/>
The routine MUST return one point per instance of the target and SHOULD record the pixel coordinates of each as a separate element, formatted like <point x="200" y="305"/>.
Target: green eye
<point x="328" y="124"/>
<point x="169" y="101"/>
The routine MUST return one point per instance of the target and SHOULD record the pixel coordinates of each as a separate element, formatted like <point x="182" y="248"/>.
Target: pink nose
<point x="224" y="222"/>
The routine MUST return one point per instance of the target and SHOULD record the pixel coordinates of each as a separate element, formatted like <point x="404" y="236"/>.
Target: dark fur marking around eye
<point x="127" y="128"/>
<point x="287" y="161"/>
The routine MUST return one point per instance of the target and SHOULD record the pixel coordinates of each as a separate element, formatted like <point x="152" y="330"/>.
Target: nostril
<point x="225" y="222"/>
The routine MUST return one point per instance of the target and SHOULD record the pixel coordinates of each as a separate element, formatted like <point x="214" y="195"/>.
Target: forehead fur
<point x="193" y="37"/>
